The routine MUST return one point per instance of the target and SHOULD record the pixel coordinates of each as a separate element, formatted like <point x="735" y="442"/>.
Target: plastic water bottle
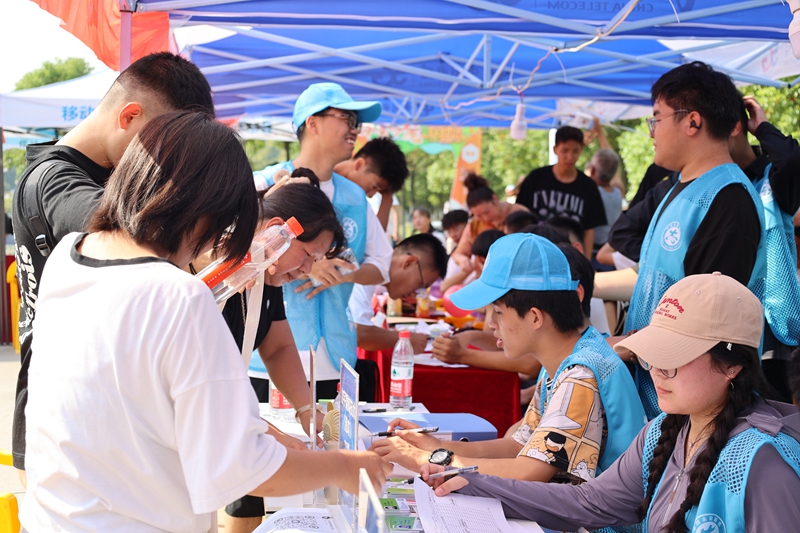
<point x="402" y="371"/>
<point x="226" y="278"/>
<point x="280" y="408"/>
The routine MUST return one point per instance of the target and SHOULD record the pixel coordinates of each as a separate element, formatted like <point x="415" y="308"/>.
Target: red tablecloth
<point x="490" y="394"/>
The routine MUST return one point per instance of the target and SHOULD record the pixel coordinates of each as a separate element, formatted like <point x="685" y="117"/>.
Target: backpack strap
<point x="32" y="208"/>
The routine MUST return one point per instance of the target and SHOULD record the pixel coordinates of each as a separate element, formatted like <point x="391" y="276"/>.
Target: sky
<point x="30" y="36"/>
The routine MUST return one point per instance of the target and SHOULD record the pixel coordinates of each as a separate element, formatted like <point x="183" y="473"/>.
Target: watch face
<point x="438" y="456"/>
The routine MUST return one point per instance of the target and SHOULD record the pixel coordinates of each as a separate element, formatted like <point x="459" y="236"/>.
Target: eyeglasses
<point x="421" y="277"/>
<point x="652" y="121"/>
<point x="667" y="373"/>
<point x="352" y="120"/>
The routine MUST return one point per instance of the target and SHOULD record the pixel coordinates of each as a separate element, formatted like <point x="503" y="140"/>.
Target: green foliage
<point x="506" y="160"/>
<point x="54" y="71"/>
<point x="780" y="105"/>
<point x="264" y="153"/>
<point x="636" y="152"/>
<point x="13" y="166"/>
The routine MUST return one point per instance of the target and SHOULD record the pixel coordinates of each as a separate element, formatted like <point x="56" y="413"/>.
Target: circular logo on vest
<point x="708" y="523"/>
<point x="671" y="239"/>
<point x="766" y="192"/>
<point x="350" y="228"/>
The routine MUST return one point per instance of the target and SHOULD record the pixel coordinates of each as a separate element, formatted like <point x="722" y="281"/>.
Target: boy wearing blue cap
<point x="585" y="411"/>
<point x="327" y="121"/>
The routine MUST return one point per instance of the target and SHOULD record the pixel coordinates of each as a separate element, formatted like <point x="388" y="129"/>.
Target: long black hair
<point x="746" y="388"/>
<point x="309" y="205"/>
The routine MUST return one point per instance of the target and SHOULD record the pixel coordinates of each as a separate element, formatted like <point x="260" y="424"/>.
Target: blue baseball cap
<point x="519" y="261"/>
<point x="321" y="96"/>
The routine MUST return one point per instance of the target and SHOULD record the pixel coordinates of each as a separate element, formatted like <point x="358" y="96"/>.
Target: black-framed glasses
<point x="652" y="121"/>
<point x="352" y="120"/>
<point x="419" y="266"/>
<point x="668" y="373"/>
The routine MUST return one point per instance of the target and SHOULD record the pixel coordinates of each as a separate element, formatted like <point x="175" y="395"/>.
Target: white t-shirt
<point x="140" y="414"/>
<point x="360" y="304"/>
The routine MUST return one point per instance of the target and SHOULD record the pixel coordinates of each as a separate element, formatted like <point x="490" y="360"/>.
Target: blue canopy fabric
<point x="461" y="62"/>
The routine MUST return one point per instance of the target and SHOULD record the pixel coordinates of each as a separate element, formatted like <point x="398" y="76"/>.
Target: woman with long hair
<point x="421" y="220"/>
<point x="721" y="458"/>
<point x="140" y="415"/>
<point x="488" y="212"/>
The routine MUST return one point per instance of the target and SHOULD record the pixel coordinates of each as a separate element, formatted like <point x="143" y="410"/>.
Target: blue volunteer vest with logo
<point x="782" y="292"/>
<point x="664" y="249"/>
<point x="327" y="315"/>
<point x="721" y="506"/>
<point x="624" y="414"/>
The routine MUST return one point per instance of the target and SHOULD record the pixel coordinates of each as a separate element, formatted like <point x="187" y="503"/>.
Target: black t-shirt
<point x="652" y="177"/>
<point x="272" y="310"/>
<point x="70" y="193"/>
<point x="547" y="197"/>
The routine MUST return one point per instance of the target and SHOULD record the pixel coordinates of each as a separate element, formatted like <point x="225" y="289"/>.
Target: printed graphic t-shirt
<point x="547" y="197"/>
<point x="569" y="430"/>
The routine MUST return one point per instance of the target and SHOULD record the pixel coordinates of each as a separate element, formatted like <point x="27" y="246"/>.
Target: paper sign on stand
<point x="371" y="516"/>
<point x="348" y="430"/>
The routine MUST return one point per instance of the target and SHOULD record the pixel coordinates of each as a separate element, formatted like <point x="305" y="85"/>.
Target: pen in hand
<point x="447" y="473"/>
<point x="432" y="429"/>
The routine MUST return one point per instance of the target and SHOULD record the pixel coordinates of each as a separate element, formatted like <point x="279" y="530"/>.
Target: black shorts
<point x="246" y="507"/>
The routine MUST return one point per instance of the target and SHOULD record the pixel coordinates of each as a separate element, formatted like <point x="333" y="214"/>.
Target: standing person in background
<point x="562" y="189"/>
<point x="327" y="121"/>
<point x="453" y="224"/>
<point x="421" y="220"/>
<point x="378" y="167"/>
<point x="602" y="167"/>
<point x="72" y="174"/>
<point x="713" y="219"/>
<point x="487" y="213"/>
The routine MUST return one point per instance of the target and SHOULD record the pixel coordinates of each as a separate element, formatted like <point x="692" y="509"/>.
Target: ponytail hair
<point x="747" y="387"/>
<point x="479" y="190"/>
<point x="309" y="205"/>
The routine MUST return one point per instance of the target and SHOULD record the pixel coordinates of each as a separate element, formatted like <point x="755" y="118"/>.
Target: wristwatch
<point x="441" y="457"/>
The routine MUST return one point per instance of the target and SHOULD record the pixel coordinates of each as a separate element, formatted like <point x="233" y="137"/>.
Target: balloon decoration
<point x="449" y="306"/>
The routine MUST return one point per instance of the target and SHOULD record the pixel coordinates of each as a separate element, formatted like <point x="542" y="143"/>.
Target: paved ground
<point x="9" y="367"/>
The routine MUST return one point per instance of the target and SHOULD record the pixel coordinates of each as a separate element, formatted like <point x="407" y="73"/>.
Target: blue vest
<point x="782" y="292"/>
<point x="624" y="413"/>
<point x="664" y="248"/>
<point x="722" y="501"/>
<point x="327" y="315"/>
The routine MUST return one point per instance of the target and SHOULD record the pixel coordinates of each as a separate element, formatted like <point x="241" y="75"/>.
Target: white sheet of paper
<point x="296" y="520"/>
<point x="430" y="360"/>
<point x="458" y="513"/>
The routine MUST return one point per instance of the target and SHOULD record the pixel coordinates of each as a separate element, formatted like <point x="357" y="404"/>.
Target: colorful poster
<point x="348" y="431"/>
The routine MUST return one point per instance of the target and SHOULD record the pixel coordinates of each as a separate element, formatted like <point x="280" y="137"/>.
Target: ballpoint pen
<point x="432" y="429"/>
<point x="447" y="473"/>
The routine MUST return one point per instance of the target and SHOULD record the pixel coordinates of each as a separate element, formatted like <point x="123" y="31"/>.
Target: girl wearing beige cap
<point x="710" y="462"/>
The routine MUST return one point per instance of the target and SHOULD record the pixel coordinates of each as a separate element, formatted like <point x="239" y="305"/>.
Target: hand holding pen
<point x="419" y="430"/>
<point x="446" y="474"/>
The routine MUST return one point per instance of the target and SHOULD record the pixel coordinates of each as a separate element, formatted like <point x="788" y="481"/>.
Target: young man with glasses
<point x="713" y="218"/>
<point x="327" y="121"/>
<point x="417" y="262"/>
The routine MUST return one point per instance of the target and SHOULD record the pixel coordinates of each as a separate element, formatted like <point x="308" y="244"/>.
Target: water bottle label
<point x="278" y="400"/>
<point x="400" y="387"/>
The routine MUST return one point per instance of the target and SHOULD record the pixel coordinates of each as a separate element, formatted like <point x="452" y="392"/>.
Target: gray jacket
<point x="772" y="497"/>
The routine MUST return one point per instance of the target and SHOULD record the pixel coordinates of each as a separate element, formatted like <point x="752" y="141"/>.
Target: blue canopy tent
<point x="445" y="61"/>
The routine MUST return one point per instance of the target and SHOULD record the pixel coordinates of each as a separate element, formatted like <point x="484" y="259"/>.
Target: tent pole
<point x="126" y="9"/>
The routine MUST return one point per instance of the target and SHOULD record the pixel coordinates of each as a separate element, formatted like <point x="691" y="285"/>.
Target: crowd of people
<point x="137" y="414"/>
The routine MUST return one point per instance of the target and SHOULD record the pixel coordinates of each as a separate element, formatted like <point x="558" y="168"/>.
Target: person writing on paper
<point x="417" y="262"/>
<point x="148" y="422"/>
<point x="276" y="357"/>
<point x="585" y="395"/>
<point x="706" y="463"/>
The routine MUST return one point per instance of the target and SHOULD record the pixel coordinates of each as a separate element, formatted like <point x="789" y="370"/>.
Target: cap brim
<point x="367" y="111"/>
<point x="664" y="348"/>
<point x="476" y="295"/>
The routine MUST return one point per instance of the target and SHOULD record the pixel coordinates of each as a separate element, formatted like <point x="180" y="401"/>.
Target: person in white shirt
<point x="417" y="262"/>
<point x="141" y="417"/>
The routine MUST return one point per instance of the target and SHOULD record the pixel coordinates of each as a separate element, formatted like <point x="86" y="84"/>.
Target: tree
<point x="13" y="166"/>
<point x="54" y="71"/>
